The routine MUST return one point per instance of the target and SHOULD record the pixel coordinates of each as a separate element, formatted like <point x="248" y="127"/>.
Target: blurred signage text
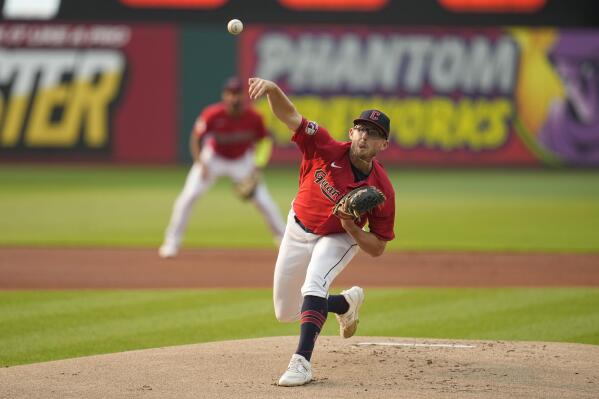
<point x="498" y="6"/>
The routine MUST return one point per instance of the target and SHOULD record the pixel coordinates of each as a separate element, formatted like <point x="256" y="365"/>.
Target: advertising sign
<point x="87" y="91"/>
<point x="498" y="96"/>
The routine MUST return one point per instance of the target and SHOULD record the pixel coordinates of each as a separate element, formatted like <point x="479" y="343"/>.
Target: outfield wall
<point x="130" y="92"/>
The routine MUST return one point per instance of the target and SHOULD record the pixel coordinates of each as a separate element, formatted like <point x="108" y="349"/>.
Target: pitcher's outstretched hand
<point x="258" y="87"/>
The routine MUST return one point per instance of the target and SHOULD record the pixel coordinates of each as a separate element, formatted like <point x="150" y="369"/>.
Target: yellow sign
<point x="58" y="98"/>
<point x="437" y="122"/>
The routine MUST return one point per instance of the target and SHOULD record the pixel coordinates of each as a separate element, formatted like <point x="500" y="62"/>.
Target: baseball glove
<point x="359" y="201"/>
<point x="246" y="188"/>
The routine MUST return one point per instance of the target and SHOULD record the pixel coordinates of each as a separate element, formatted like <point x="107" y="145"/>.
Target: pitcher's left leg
<point x="331" y="255"/>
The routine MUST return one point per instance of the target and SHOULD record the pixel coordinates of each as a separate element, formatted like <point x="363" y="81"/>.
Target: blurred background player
<point x="223" y="143"/>
<point x="318" y="244"/>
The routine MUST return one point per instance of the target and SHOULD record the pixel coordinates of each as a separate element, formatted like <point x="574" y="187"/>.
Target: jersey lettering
<point x="327" y="189"/>
<point x="234" y="138"/>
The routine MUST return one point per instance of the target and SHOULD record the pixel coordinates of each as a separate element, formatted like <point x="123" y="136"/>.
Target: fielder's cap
<point x="233" y="84"/>
<point x="377" y="118"/>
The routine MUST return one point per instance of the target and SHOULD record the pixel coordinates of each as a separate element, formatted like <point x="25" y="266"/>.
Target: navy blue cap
<point x="233" y="84"/>
<point x="377" y="118"/>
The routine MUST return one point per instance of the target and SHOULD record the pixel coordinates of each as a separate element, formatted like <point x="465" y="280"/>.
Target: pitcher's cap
<point x="377" y="118"/>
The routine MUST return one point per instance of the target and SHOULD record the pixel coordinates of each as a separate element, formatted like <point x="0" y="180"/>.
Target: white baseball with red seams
<point x="235" y="26"/>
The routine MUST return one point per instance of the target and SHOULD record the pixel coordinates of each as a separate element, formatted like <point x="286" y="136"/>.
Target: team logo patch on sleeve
<point x="311" y="128"/>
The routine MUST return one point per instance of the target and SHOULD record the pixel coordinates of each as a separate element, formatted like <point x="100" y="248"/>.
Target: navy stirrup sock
<point x="314" y="314"/>
<point x="337" y="304"/>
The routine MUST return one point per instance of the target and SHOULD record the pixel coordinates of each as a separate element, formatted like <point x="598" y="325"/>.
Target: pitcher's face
<point x="367" y="140"/>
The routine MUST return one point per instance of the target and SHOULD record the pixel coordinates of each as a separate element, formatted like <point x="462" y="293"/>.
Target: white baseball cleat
<point x="167" y="251"/>
<point x="348" y="322"/>
<point x="299" y="372"/>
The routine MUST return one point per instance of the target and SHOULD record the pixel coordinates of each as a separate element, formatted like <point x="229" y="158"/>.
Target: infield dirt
<point x="63" y="268"/>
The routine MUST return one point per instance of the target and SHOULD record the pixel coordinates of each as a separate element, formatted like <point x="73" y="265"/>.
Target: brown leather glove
<point x="359" y="201"/>
<point x="246" y="188"/>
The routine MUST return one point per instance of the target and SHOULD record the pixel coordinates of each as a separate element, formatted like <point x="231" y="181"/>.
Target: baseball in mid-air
<point x="235" y="26"/>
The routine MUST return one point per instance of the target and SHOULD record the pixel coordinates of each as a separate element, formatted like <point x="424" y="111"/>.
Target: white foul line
<point x="415" y="344"/>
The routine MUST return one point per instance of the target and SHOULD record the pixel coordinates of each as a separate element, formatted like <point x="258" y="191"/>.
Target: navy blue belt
<point x="300" y="224"/>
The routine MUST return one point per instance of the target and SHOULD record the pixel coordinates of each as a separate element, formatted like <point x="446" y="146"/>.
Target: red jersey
<point x="230" y="136"/>
<point x="326" y="176"/>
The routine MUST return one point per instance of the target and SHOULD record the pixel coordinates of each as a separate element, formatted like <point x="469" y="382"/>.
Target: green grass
<point x="486" y="210"/>
<point x="48" y="325"/>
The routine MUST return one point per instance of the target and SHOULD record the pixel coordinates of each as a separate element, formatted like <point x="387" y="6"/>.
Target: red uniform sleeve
<point x="312" y="139"/>
<point x="202" y="123"/>
<point x="382" y="220"/>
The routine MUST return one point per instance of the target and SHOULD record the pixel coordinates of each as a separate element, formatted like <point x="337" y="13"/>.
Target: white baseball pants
<point x="196" y="185"/>
<point x="307" y="265"/>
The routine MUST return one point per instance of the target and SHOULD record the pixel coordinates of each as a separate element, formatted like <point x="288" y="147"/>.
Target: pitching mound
<point x="365" y="367"/>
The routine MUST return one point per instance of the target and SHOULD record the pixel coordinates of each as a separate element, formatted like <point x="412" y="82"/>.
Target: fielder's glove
<point x="359" y="201"/>
<point x="246" y="188"/>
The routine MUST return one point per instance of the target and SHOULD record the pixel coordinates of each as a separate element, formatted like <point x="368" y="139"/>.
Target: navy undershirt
<point x="358" y="174"/>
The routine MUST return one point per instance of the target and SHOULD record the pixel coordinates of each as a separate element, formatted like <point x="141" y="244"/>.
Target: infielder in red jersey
<point x="318" y="244"/>
<point x="222" y="143"/>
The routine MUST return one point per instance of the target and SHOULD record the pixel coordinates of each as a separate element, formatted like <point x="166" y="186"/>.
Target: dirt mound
<point x="364" y="367"/>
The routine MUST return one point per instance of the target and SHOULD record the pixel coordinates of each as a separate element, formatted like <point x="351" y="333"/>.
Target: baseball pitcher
<point x="342" y="187"/>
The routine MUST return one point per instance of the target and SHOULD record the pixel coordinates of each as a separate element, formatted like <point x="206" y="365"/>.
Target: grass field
<point x="49" y="325"/>
<point x="517" y="210"/>
<point x="488" y="210"/>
